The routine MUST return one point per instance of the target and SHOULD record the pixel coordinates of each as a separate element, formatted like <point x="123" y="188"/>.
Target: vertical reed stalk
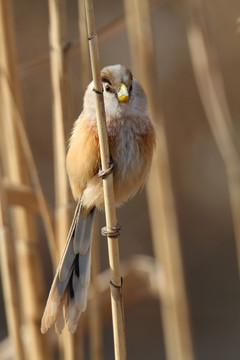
<point x="62" y="115"/>
<point x="95" y="326"/>
<point x="28" y="261"/>
<point x="62" y="120"/>
<point x="116" y="282"/>
<point x="163" y="217"/>
<point x="9" y="279"/>
<point x="84" y="50"/>
<point x="43" y="207"/>
<point x="211" y="89"/>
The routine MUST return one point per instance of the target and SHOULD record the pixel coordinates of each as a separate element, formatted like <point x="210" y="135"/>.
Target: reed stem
<point x="174" y="306"/>
<point x="113" y="249"/>
<point x="28" y="261"/>
<point x="62" y="117"/>
<point x="211" y="90"/>
<point x="94" y="316"/>
<point x="62" y="123"/>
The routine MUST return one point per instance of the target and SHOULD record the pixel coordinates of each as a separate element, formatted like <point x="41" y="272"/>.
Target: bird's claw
<point x="105" y="173"/>
<point x="111" y="232"/>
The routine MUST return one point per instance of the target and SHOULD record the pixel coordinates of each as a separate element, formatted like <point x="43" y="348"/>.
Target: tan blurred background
<point x="198" y="174"/>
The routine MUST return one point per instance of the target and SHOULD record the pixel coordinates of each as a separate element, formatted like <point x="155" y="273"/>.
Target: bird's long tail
<point x="68" y="295"/>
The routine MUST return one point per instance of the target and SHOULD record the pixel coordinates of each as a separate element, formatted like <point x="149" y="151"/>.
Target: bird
<point x="132" y="137"/>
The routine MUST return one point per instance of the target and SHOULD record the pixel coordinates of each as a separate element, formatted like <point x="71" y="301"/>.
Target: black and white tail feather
<point x="68" y="295"/>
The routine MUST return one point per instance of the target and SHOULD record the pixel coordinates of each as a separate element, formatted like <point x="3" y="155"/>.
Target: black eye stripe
<point x="105" y="80"/>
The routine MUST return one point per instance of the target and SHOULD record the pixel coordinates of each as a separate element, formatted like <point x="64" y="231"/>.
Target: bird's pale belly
<point x="129" y="174"/>
<point x="130" y="166"/>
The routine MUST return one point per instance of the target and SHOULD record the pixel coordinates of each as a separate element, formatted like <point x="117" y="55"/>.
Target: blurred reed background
<point x="186" y="55"/>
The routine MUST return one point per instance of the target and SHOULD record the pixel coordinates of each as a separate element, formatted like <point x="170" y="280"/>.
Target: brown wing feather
<point x="83" y="156"/>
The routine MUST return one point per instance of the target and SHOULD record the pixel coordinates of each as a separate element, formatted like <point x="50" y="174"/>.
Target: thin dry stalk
<point x="28" y="261"/>
<point x="62" y="116"/>
<point x="95" y="326"/>
<point x="163" y="217"/>
<point x="84" y="50"/>
<point x="211" y="90"/>
<point x="24" y="195"/>
<point x="9" y="279"/>
<point x="62" y="121"/>
<point x="116" y="289"/>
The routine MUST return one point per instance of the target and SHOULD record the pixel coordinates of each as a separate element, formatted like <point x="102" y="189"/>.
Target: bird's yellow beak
<point x="123" y="95"/>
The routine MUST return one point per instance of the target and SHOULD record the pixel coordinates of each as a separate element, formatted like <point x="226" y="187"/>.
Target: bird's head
<point x="123" y="95"/>
<point x="117" y="83"/>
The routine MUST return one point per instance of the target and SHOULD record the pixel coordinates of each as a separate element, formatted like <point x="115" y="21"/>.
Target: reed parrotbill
<point x="131" y="138"/>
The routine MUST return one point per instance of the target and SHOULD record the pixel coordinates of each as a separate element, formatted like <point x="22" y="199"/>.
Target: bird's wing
<point x="83" y="157"/>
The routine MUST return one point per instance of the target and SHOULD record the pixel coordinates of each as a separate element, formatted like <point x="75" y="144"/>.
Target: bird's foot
<point x="111" y="232"/>
<point x="105" y="173"/>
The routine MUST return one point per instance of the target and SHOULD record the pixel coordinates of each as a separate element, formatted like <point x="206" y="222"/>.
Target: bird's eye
<point x="130" y="89"/>
<point x="107" y="88"/>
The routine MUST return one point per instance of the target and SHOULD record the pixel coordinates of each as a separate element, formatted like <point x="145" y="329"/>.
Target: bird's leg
<point x="105" y="173"/>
